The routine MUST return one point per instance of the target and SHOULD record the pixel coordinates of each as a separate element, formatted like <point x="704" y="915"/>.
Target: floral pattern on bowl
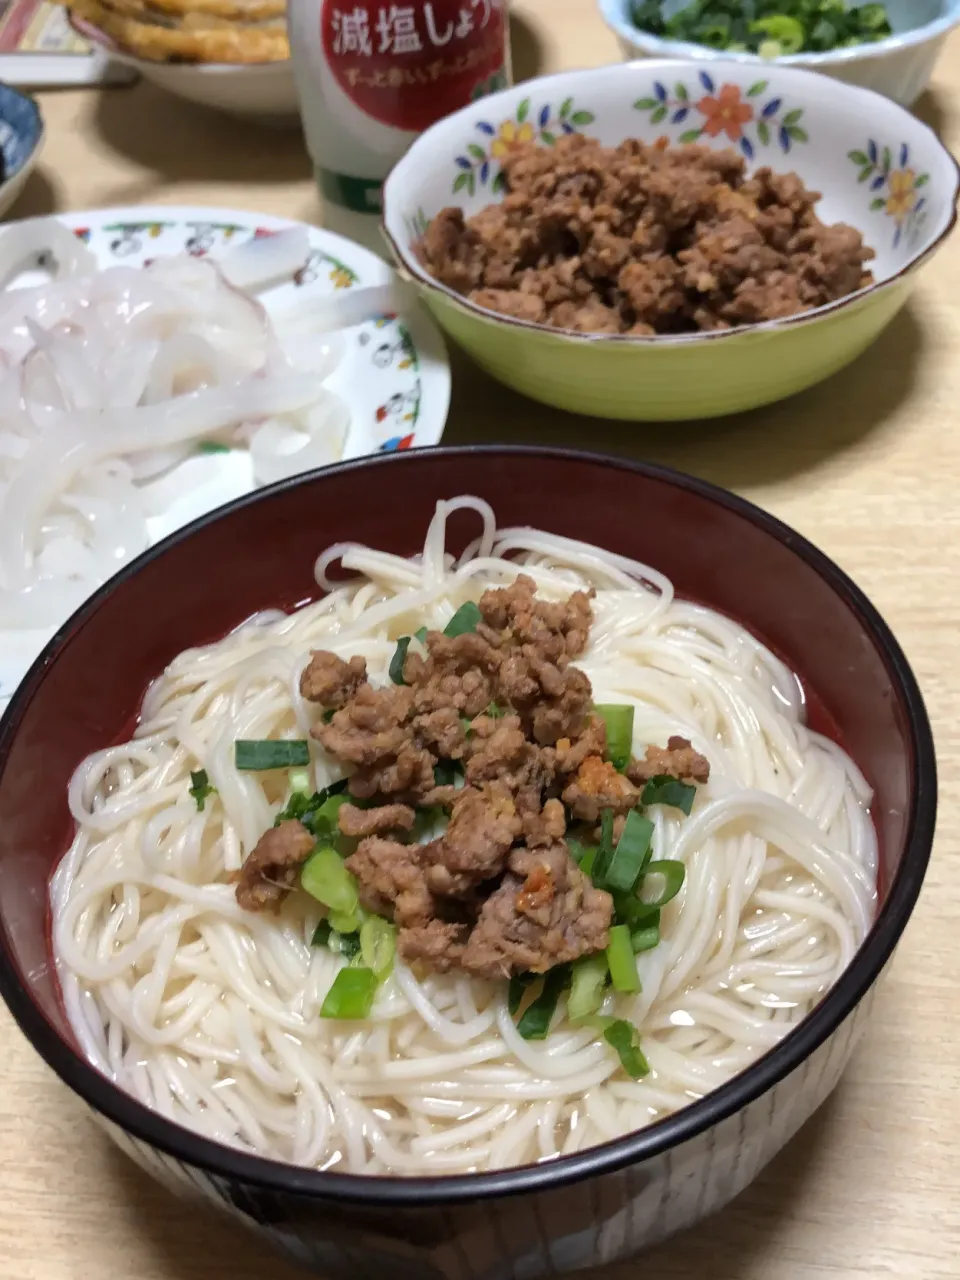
<point x="749" y="119"/>
<point x="483" y="156"/>
<point x="896" y="190"/>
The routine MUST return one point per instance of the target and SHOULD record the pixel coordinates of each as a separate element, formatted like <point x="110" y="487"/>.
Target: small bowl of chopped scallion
<point x="890" y="47"/>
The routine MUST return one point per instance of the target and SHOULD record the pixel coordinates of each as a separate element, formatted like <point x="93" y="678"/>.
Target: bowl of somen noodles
<point x="471" y="863"/>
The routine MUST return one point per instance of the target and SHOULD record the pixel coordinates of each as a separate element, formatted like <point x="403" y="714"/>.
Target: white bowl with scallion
<point x="890" y="47"/>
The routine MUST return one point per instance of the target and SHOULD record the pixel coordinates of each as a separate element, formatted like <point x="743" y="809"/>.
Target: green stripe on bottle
<point x="359" y="195"/>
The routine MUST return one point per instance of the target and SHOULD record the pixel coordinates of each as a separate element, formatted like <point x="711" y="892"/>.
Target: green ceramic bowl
<point x="877" y="167"/>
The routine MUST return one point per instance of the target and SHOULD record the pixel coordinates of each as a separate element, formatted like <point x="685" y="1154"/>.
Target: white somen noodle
<point x="210" y="1014"/>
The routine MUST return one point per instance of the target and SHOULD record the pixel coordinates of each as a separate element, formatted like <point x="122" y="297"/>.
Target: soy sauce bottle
<point x="371" y="76"/>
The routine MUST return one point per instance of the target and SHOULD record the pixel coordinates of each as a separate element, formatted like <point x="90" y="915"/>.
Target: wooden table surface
<point x="867" y="466"/>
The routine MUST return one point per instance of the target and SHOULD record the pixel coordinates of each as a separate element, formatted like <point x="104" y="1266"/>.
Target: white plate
<point x="395" y="375"/>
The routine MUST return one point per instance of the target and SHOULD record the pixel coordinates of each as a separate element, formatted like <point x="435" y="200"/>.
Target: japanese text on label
<point x="394" y="29"/>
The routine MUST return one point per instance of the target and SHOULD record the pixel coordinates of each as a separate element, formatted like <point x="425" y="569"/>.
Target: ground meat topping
<point x="499" y="750"/>
<point x="370" y="728"/>
<point x="392" y="880"/>
<point x="438" y="944"/>
<point x="273" y="867"/>
<point x="598" y="786"/>
<point x="354" y="821"/>
<point x="442" y="732"/>
<point x="677" y="760"/>
<point x="458" y="674"/>
<point x="482" y="829"/>
<point x="644" y="239"/>
<point x="592" y="741"/>
<point x="329" y="680"/>
<point x="497" y="727"/>
<point x="546" y="912"/>
<point x="546" y="827"/>
<point x="556" y="629"/>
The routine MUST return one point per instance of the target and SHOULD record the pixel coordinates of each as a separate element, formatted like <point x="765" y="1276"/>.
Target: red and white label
<point x="407" y="65"/>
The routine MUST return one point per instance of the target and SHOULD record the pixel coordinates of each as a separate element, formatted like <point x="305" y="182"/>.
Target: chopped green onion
<point x="671" y="873"/>
<point x="715" y="35"/>
<point x="619" y="721"/>
<point x="645" y="938"/>
<point x="517" y="989"/>
<point x="494" y="712"/>
<point x="577" y="850"/>
<point x="325" y="878"/>
<point x="825" y="36"/>
<point x="318" y="812"/>
<point x="327" y="817"/>
<point x="464" y="620"/>
<point x="328" y="715"/>
<point x="347" y="944"/>
<point x="623" y="966"/>
<point x="271" y="753"/>
<point x="200" y="788"/>
<point x="787" y="32"/>
<point x="768" y="27"/>
<point x="426" y="823"/>
<point x="345" y="922"/>
<point x="624" y="1037"/>
<point x="378" y="945"/>
<point x="873" y="17"/>
<point x="589" y="860"/>
<point x="589" y="977"/>
<point x="351" y="995"/>
<point x="606" y="829"/>
<point x="298" y="804"/>
<point x="300" y="781"/>
<point x="535" y="1022"/>
<point x="666" y="790"/>
<point x="623" y="868"/>
<point x="446" y="772"/>
<point x="399" y="659"/>
<point x="601" y="859"/>
<point x="630" y="910"/>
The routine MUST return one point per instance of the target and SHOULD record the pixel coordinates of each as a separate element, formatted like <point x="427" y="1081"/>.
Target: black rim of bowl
<point x="380" y="1190"/>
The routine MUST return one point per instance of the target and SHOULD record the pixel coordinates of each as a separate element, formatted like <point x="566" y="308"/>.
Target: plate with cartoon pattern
<point x="395" y="376"/>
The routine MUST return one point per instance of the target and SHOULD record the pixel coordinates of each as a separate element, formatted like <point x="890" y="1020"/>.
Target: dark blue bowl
<point x="21" y="134"/>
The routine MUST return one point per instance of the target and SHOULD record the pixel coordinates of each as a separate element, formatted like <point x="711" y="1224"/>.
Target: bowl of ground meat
<point x="667" y="239"/>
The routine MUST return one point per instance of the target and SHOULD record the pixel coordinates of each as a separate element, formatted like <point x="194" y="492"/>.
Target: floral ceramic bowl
<point x="878" y="168"/>
<point x="899" y="67"/>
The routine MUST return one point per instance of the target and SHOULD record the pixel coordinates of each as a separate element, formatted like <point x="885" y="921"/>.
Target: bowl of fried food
<point x="232" y="55"/>
<point x="666" y="239"/>
<point x="891" y="47"/>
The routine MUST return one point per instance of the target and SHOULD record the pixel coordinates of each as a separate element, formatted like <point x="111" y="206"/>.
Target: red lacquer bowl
<point x="582" y="1210"/>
